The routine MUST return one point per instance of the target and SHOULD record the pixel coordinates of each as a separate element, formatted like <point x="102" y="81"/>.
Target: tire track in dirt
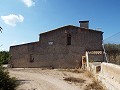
<point x="38" y="81"/>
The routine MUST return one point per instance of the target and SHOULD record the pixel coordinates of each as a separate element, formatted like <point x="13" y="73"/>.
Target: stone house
<point x="59" y="48"/>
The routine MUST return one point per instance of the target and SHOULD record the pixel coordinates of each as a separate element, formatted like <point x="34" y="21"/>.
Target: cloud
<point x="28" y="3"/>
<point x="12" y="19"/>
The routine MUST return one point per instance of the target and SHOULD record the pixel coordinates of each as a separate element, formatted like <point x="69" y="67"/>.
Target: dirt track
<point x="38" y="79"/>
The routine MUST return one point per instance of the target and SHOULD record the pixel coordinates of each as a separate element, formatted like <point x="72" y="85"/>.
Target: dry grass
<point x="75" y="80"/>
<point x="73" y="70"/>
<point x="76" y="71"/>
<point x="94" y="86"/>
<point x="89" y="74"/>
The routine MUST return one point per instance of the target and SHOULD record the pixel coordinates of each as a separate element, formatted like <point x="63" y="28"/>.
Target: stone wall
<point x="19" y="56"/>
<point x="52" y="49"/>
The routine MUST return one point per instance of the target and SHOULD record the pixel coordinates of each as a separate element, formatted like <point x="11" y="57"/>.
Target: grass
<point x="76" y="71"/>
<point x="75" y="80"/>
<point x="73" y="70"/>
<point x="94" y="86"/>
<point x="89" y="74"/>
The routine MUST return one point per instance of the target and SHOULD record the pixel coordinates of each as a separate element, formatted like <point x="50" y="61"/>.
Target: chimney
<point x="84" y="24"/>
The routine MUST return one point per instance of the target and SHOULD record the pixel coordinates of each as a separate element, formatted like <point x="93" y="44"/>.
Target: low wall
<point x="94" y="67"/>
<point x="109" y="75"/>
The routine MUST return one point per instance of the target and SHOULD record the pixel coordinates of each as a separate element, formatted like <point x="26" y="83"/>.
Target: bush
<point x="6" y="82"/>
<point x="113" y="53"/>
<point x="75" y="80"/>
<point x="4" y="57"/>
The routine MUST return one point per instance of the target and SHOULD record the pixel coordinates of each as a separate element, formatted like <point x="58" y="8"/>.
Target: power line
<point x="113" y="39"/>
<point x="112" y="36"/>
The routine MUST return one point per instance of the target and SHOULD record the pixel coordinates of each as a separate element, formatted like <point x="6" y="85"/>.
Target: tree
<point x="6" y="82"/>
<point x="4" y="57"/>
<point x="113" y="52"/>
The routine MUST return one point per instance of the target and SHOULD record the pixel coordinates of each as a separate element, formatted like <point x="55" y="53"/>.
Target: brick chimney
<point x="84" y="24"/>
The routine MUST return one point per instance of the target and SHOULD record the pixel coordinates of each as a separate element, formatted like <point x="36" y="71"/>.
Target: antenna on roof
<point x="99" y="28"/>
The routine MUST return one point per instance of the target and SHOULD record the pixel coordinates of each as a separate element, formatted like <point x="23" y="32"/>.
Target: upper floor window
<point x="50" y="43"/>
<point x="31" y="58"/>
<point x="68" y="39"/>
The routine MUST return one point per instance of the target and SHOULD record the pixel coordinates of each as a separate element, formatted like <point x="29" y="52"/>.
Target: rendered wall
<point x="109" y="74"/>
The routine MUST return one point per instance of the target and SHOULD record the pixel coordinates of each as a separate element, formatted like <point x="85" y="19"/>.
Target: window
<point x="68" y="39"/>
<point x="31" y="58"/>
<point x="50" y="43"/>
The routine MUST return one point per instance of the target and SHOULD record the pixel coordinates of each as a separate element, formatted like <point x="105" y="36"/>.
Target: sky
<point x="23" y="20"/>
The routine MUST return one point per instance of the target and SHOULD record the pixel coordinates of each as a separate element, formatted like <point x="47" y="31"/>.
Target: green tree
<point x="4" y="57"/>
<point x="6" y="82"/>
<point x="112" y="48"/>
<point x="113" y="52"/>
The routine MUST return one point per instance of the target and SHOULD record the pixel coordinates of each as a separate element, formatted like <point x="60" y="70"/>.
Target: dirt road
<point x="38" y="79"/>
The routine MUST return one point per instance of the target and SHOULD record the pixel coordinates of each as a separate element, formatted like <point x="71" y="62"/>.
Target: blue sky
<point x="23" y="20"/>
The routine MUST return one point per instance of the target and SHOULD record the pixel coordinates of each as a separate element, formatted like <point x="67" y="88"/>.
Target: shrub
<point x="75" y="80"/>
<point x="94" y="86"/>
<point x="6" y="82"/>
<point x="113" y="53"/>
<point x="4" y="57"/>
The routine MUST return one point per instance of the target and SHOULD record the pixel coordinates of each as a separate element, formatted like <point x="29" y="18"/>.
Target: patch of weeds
<point x="89" y="74"/>
<point x="73" y="70"/>
<point x="77" y="71"/>
<point x="64" y="74"/>
<point x="75" y="80"/>
<point x="43" y="68"/>
<point x="94" y="86"/>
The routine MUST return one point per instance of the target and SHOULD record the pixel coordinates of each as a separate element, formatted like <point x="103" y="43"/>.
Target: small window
<point x="68" y="39"/>
<point x="50" y="43"/>
<point x="31" y="58"/>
